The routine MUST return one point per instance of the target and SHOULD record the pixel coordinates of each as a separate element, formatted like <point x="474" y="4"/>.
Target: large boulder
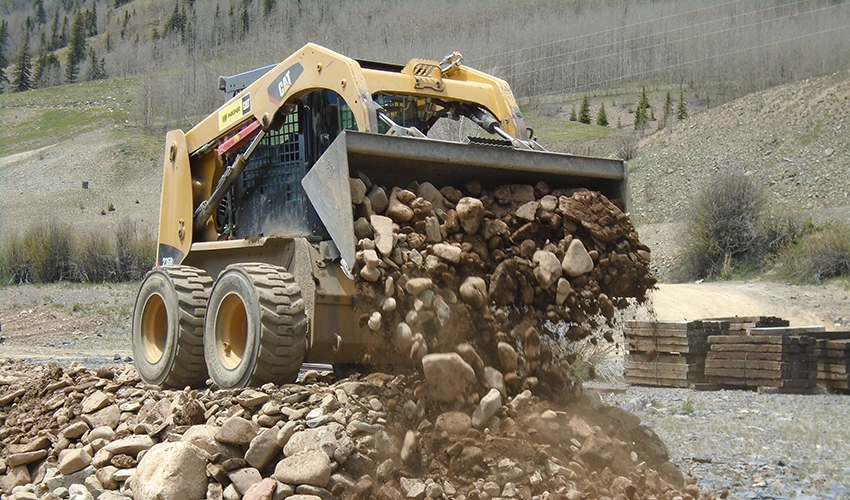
<point x="171" y="470"/>
<point x="311" y="467"/>
<point x="447" y="374"/>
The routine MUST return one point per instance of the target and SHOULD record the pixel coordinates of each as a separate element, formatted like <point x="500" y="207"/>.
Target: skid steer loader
<point x="256" y="242"/>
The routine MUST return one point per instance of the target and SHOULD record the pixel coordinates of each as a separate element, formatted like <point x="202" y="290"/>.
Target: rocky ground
<point x="79" y="433"/>
<point x="749" y="444"/>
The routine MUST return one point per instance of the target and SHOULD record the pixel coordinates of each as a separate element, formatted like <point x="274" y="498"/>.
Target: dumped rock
<point x="384" y="436"/>
<point x="469" y="287"/>
<point x="472" y="266"/>
<point x="171" y="470"/>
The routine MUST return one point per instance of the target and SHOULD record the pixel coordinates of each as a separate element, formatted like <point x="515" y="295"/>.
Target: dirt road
<point x="802" y="305"/>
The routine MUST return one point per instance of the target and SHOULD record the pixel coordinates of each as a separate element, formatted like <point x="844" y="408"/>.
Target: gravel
<point x="749" y="444"/>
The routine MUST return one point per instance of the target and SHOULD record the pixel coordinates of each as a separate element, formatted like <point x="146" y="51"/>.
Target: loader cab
<point x="269" y="198"/>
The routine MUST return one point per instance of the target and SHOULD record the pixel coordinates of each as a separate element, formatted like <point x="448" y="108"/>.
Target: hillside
<point x="54" y="140"/>
<point x="794" y="138"/>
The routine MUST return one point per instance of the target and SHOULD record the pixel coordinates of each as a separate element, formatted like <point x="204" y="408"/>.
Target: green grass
<point x="558" y="129"/>
<point x="41" y="117"/>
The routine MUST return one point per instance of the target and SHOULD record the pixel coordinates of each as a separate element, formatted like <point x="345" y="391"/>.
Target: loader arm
<point x="203" y="148"/>
<point x="311" y="68"/>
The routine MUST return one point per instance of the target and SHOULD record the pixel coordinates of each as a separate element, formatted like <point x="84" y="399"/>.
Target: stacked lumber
<point x="741" y="325"/>
<point x="752" y="361"/>
<point x="667" y="353"/>
<point x="833" y="353"/>
<point x="808" y="331"/>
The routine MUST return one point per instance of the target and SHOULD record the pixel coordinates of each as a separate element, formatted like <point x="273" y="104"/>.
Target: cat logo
<point x="281" y="85"/>
<point x="246" y="104"/>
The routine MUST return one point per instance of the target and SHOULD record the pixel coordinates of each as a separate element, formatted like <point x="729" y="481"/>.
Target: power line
<point x="641" y="37"/>
<point x="695" y="61"/>
<point x="636" y="49"/>
<point x="578" y="37"/>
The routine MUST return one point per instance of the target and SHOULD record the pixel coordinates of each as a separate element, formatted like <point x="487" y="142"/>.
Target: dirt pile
<point x="509" y="274"/>
<point x="105" y="434"/>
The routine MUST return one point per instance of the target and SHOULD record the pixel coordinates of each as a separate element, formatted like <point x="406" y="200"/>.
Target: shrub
<point x="626" y="147"/>
<point x="53" y="252"/>
<point x="17" y="263"/>
<point x="41" y="254"/>
<point x="726" y="228"/>
<point x="95" y="260"/>
<point x="818" y="255"/>
<point x="135" y="253"/>
<point x="51" y="243"/>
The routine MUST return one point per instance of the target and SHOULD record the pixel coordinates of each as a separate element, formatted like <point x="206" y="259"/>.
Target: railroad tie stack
<point x="668" y="353"/>
<point x="833" y="363"/>
<point x="776" y="357"/>
<point x="742" y="325"/>
<point x="833" y="353"/>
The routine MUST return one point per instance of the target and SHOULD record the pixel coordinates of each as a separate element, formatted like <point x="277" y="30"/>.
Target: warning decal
<point x="234" y="112"/>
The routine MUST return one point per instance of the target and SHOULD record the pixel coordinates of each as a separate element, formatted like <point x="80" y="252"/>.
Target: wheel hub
<point x="154" y="328"/>
<point x="231" y="331"/>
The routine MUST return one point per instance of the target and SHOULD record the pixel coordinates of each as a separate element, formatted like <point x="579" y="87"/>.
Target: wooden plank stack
<point x="833" y="353"/>
<point x="667" y="353"/>
<point x="762" y="360"/>
<point x="742" y="325"/>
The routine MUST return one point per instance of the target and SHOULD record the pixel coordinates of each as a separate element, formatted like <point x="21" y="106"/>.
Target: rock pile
<point x="512" y="269"/>
<point x="82" y="434"/>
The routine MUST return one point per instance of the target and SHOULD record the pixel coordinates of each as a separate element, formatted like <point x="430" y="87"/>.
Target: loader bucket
<point x="398" y="161"/>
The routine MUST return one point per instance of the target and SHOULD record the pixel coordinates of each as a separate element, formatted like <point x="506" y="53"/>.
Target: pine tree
<point x="602" y="116"/>
<point x="54" y="33"/>
<point x="63" y="36"/>
<point x="682" y="108"/>
<point x="244" y="20"/>
<point x="124" y="23"/>
<point x="47" y="70"/>
<point x="231" y="16"/>
<point x="215" y="36"/>
<point x="40" y="14"/>
<point x="573" y="114"/>
<point x="176" y="22"/>
<point x="91" y="23"/>
<point x="584" y="111"/>
<point x="22" y="76"/>
<point x="4" y="46"/>
<point x="668" y="108"/>
<point x="4" y="41"/>
<point x="640" y="113"/>
<point x="76" y="48"/>
<point x="96" y="69"/>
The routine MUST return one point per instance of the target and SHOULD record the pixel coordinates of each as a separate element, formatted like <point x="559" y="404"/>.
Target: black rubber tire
<point x="168" y="326"/>
<point x="255" y="329"/>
